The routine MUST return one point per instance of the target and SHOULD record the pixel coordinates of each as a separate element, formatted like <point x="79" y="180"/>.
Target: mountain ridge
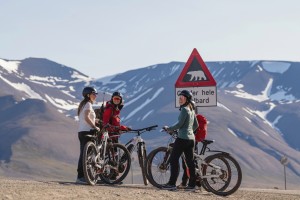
<point x="256" y="103"/>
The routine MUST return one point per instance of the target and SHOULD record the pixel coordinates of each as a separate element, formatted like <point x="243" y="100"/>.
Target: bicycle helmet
<point x="117" y="94"/>
<point x="89" y="90"/>
<point x="187" y="94"/>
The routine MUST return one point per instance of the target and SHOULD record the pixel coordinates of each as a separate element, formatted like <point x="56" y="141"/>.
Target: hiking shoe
<point x="168" y="187"/>
<point x="181" y="186"/>
<point x="81" y="180"/>
<point x="190" y="188"/>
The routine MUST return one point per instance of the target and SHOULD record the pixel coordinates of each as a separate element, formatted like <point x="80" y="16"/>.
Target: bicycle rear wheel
<point x="225" y="172"/>
<point x="158" y="167"/>
<point x="142" y="161"/>
<point x="89" y="168"/>
<point x="117" y="164"/>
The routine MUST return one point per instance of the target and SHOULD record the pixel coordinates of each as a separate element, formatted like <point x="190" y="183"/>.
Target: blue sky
<point x="101" y="38"/>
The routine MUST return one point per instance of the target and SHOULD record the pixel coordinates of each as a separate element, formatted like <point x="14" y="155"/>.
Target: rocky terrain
<point x="50" y="190"/>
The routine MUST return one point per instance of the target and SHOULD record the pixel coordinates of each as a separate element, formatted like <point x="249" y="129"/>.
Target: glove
<point x="128" y="129"/>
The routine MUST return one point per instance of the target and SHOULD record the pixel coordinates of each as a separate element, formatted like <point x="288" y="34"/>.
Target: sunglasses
<point x="117" y="98"/>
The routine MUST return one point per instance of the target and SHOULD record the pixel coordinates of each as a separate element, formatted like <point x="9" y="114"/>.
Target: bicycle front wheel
<point x="158" y="166"/>
<point x="223" y="174"/>
<point x="142" y="161"/>
<point x="117" y="164"/>
<point x="89" y="162"/>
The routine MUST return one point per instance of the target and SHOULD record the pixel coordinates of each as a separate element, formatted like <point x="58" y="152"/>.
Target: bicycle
<point x="137" y="143"/>
<point x="218" y="173"/>
<point x="104" y="159"/>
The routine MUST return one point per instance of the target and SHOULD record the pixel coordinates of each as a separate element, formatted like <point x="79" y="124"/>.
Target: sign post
<point x="284" y="161"/>
<point x="196" y="78"/>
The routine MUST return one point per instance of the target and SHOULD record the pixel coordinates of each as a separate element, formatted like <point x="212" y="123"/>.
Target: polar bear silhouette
<point x="197" y="75"/>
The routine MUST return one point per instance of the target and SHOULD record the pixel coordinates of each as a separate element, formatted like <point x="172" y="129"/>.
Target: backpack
<point x="99" y="115"/>
<point x="201" y="131"/>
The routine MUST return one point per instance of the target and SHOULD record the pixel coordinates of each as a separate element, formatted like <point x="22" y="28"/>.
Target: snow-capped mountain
<point x="256" y="118"/>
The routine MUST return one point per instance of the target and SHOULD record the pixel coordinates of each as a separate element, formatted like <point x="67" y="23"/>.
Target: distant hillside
<point x="255" y="120"/>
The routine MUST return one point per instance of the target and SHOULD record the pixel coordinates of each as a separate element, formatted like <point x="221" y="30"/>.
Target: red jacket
<point x="111" y="115"/>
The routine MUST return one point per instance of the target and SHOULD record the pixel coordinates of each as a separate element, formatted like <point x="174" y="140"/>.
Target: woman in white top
<point x="87" y="119"/>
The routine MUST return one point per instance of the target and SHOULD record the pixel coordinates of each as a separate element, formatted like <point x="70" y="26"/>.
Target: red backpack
<point x="202" y="129"/>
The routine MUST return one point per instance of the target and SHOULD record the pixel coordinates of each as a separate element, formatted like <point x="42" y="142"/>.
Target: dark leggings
<point x="186" y="147"/>
<point x="185" y="176"/>
<point x="83" y="140"/>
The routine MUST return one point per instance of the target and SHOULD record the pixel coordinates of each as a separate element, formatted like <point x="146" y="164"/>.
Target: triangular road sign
<point x="195" y="73"/>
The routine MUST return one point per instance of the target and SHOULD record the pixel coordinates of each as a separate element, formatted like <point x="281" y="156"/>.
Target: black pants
<point x="83" y="140"/>
<point x="185" y="176"/>
<point x="186" y="147"/>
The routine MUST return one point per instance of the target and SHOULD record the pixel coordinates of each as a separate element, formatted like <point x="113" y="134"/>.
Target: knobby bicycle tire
<point x="89" y="168"/>
<point x="158" y="174"/>
<point x="117" y="164"/>
<point x="229" y="181"/>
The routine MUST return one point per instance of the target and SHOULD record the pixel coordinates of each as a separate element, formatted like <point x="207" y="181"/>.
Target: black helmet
<point x="88" y="90"/>
<point x="117" y="94"/>
<point x="187" y="94"/>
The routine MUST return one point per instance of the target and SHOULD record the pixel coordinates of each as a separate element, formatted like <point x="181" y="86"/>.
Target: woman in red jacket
<point x="111" y="115"/>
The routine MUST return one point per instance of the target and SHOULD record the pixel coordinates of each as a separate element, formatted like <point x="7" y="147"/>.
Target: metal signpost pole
<point x="284" y="161"/>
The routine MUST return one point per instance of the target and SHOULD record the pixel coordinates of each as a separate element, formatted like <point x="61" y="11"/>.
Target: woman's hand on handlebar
<point x="165" y="129"/>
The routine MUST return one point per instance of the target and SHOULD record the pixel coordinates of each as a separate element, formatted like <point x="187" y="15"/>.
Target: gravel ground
<point x="51" y="190"/>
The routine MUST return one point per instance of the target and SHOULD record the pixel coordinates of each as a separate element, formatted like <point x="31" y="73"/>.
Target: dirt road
<point x="51" y="190"/>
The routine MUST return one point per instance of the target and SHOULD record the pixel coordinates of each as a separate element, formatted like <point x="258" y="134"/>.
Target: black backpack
<point x="99" y="115"/>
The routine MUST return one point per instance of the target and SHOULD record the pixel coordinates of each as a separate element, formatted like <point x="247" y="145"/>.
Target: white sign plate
<point x="202" y="96"/>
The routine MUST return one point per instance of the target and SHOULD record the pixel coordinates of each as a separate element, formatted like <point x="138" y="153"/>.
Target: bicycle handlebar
<point x="150" y="128"/>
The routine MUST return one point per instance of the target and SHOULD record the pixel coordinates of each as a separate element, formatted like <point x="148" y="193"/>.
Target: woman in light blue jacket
<point x="185" y="142"/>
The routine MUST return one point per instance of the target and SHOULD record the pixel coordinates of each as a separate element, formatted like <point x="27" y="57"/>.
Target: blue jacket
<point x="187" y="124"/>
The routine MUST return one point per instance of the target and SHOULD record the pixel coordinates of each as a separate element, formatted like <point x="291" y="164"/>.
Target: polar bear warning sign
<point x="196" y="78"/>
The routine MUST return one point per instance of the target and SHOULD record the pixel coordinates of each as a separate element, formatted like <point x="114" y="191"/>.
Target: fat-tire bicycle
<point x="105" y="160"/>
<point x="218" y="173"/>
<point x="137" y="143"/>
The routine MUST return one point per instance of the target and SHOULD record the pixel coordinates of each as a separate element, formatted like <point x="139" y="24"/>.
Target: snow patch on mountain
<point x="138" y="97"/>
<point x="10" y="66"/>
<point x="24" y="88"/>
<point x="232" y="132"/>
<point x="222" y="106"/>
<point x="265" y="133"/>
<point x="282" y="96"/>
<point x="60" y="103"/>
<point x="276" y="67"/>
<point x="174" y="69"/>
<point x="148" y="100"/>
<point x="264" y="96"/>
<point x="147" y="114"/>
<point x="248" y="119"/>
<point x="276" y="120"/>
<point x="254" y="63"/>
<point x="263" y="114"/>
<point x="80" y="78"/>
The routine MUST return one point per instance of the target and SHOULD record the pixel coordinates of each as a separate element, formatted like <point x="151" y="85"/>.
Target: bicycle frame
<point x="138" y="138"/>
<point x="199" y="158"/>
<point x="218" y="172"/>
<point x="101" y="144"/>
<point x="134" y="141"/>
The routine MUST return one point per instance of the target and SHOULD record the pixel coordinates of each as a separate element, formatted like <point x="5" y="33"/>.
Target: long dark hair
<point x="190" y="104"/>
<point x="82" y="104"/>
